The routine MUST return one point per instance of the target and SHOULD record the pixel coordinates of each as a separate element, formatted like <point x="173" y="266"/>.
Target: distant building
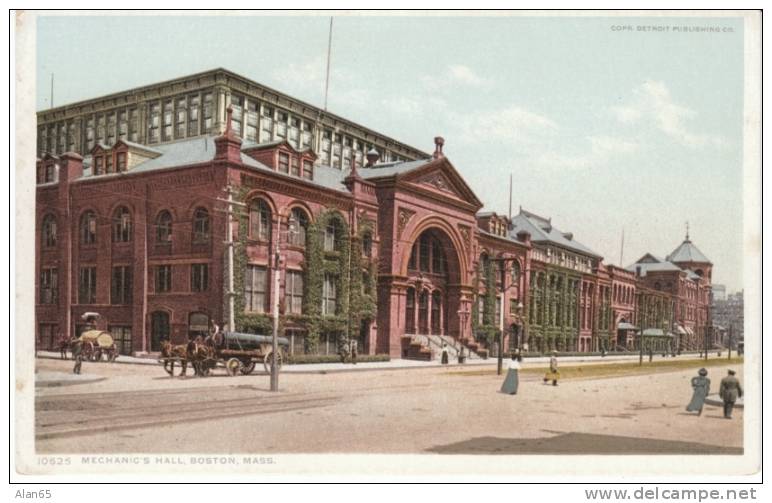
<point x="719" y="292"/>
<point x="728" y="316"/>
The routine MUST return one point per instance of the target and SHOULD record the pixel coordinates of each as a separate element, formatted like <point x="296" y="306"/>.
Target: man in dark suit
<point x="729" y="392"/>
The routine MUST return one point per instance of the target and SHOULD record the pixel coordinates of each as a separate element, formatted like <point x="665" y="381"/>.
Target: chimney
<point x="72" y="167"/>
<point x="439" y="141"/>
<point x="372" y="157"/>
<point x="228" y="145"/>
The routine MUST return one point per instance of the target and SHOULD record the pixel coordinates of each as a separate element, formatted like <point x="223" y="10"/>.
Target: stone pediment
<point x="442" y="178"/>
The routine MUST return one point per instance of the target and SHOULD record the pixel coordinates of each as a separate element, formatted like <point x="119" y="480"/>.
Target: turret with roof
<point x="688" y="257"/>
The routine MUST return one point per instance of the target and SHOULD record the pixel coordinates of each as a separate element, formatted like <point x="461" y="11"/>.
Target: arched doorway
<point x="159" y="329"/>
<point x="432" y="296"/>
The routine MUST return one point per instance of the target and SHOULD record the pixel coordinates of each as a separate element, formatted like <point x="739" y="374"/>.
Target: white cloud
<point x="653" y="102"/>
<point x="513" y="125"/>
<point x="455" y="76"/>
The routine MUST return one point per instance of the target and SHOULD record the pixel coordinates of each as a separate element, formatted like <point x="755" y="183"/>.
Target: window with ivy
<point x="331" y="235"/>
<point x="329" y="295"/>
<point x="260" y="220"/>
<point x="256" y="289"/>
<point x="293" y="288"/>
<point x="299" y="225"/>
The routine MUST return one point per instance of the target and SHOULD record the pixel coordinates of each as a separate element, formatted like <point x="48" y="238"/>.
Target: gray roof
<point x="687" y="252"/>
<point x="391" y="168"/>
<point x="201" y="150"/>
<point x="541" y="230"/>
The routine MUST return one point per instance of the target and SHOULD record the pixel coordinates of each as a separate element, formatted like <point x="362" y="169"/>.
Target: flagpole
<point x="327" y="79"/>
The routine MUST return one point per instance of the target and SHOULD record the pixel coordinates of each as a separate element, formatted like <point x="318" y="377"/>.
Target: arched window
<point x="298" y="227"/>
<point x="331" y="235"/>
<point x="163" y="227"/>
<point x="88" y="228"/>
<point x="410" y="311"/>
<point x="49" y="231"/>
<point x="200" y="225"/>
<point x="485" y="264"/>
<point x="515" y="272"/>
<point x="658" y="286"/>
<point x="436" y="311"/>
<point x="122" y="225"/>
<point x="260" y="220"/>
<point x="367" y="244"/>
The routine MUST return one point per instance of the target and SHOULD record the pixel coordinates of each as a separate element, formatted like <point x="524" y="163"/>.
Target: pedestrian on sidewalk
<point x="729" y="392"/>
<point x="77" y="355"/>
<point x="354" y="348"/>
<point x="444" y="357"/>
<point x="512" y="380"/>
<point x="701" y="386"/>
<point x="553" y="375"/>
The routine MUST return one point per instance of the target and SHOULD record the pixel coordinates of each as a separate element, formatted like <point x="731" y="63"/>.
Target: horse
<point x="171" y="352"/>
<point x="63" y="343"/>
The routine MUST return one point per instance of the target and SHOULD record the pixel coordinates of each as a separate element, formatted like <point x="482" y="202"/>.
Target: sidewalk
<point x="395" y="364"/>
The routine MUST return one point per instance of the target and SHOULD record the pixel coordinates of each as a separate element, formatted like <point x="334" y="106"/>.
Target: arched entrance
<point x="433" y="295"/>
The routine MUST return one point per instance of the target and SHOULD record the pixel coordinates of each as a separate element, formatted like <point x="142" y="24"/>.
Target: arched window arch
<point x="122" y="225"/>
<point x="299" y="227"/>
<point x="658" y="286"/>
<point x="49" y="231"/>
<point x="163" y="227"/>
<point x="516" y="271"/>
<point x="201" y="225"/>
<point x="260" y="220"/>
<point x="410" y="311"/>
<point x="88" y="223"/>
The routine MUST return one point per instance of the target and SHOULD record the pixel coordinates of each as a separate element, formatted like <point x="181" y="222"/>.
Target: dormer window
<point x="308" y="170"/>
<point x="98" y="165"/>
<point x="283" y="162"/>
<point x="121" y="162"/>
<point x="108" y="163"/>
<point x="295" y="164"/>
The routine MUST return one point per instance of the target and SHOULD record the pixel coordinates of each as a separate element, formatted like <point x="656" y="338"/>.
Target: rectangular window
<point x="49" y="286"/>
<point x="253" y="120"/>
<point x="133" y="125"/>
<point x="237" y="105"/>
<point x="71" y="137"/>
<point x="100" y="134"/>
<point x="294" y="132"/>
<point x="256" y="289"/>
<point x="193" y="104"/>
<point x="306" y="137"/>
<point x="295" y="166"/>
<point x="111" y="128"/>
<point x="122" y="337"/>
<point x="308" y="170"/>
<point x="168" y="119"/>
<point x="154" y="123"/>
<point x="87" y="285"/>
<point x="283" y="162"/>
<point x="498" y="310"/>
<point x="123" y="125"/>
<point x="336" y="148"/>
<point x="109" y="163"/>
<point x="208" y="112"/>
<point x="281" y="125"/>
<point x="163" y="279"/>
<point x="329" y="295"/>
<point x="121" y="285"/>
<point x="89" y="134"/>
<point x="199" y="277"/>
<point x="181" y="116"/>
<point x="293" y="288"/>
<point x="326" y="147"/>
<point x="266" y="125"/>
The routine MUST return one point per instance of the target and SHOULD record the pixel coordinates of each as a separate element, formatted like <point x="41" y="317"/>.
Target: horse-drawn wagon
<point x="92" y="344"/>
<point x="237" y="352"/>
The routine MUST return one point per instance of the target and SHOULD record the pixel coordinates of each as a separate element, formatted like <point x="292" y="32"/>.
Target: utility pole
<point x="229" y="243"/>
<point x="729" y="345"/>
<point x="275" y="335"/>
<point x="52" y="90"/>
<point x="327" y="79"/>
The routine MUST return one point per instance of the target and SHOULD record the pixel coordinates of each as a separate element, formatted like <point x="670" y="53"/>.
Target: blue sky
<point x="602" y="129"/>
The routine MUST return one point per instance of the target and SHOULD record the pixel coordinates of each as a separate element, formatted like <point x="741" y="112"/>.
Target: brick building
<point x="377" y="240"/>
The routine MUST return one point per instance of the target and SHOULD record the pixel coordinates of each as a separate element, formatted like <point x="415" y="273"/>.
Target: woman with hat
<point x="701" y="385"/>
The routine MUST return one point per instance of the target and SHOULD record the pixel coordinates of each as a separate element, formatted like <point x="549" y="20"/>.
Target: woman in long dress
<point x="701" y="385"/>
<point x="512" y="380"/>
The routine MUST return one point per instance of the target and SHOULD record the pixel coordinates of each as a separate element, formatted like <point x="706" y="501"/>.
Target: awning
<point x="689" y="331"/>
<point x="680" y="330"/>
<point x="626" y="326"/>
<point x="654" y="332"/>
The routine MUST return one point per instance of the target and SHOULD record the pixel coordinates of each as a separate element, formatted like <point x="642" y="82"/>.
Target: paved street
<point x="138" y="408"/>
